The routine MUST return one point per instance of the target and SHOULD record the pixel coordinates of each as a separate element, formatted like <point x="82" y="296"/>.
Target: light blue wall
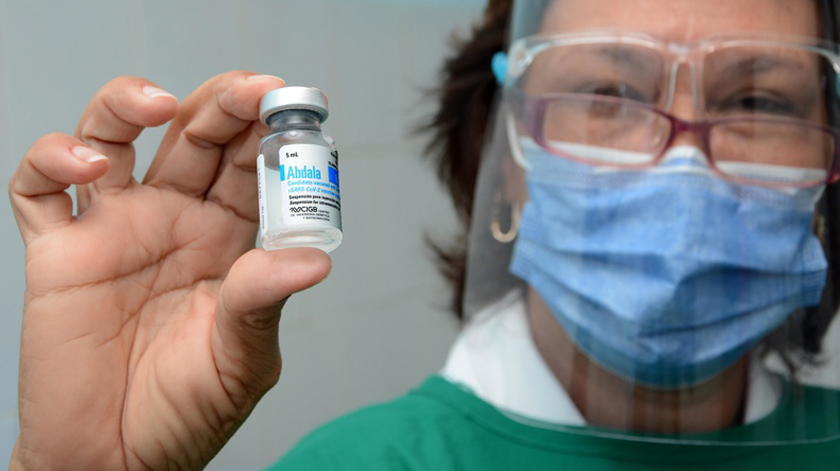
<point x="377" y="326"/>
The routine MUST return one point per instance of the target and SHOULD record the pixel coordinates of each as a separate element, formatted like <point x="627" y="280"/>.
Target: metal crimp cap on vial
<point x="294" y="98"/>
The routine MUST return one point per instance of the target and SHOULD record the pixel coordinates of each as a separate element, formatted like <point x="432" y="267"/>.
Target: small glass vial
<point x="297" y="170"/>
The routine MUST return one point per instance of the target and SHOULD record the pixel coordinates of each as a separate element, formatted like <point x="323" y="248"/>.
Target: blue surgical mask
<point x="665" y="276"/>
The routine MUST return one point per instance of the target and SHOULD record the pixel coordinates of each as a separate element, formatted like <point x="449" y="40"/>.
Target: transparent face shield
<point x="656" y="208"/>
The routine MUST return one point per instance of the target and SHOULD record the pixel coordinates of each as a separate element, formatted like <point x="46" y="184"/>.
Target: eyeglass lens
<point x="766" y="103"/>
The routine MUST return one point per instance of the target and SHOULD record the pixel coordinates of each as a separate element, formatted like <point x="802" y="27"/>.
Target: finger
<point x="245" y="344"/>
<point x="210" y="118"/>
<point x="114" y="118"/>
<point x="50" y="166"/>
<point x="235" y="186"/>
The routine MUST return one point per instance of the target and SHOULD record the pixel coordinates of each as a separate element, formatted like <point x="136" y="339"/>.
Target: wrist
<point x="22" y="461"/>
<point x="15" y="463"/>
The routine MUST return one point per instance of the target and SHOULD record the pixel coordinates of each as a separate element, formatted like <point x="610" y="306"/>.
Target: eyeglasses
<point x="761" y="100"/>
<point x="756" y="149"/>
<point x="728" y="74"/>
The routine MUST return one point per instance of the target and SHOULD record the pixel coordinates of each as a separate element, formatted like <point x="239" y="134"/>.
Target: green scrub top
<point x="441" y="426"/>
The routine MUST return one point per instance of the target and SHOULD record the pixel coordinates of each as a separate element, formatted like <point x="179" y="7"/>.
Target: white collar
<point x="495" y="357"/>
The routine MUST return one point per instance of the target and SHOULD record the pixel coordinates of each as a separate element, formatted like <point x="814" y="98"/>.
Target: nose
<point x="684" y="107"/>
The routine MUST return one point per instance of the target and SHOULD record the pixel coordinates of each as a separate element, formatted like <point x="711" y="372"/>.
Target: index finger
<point x="114" y="118"/>
<point x="211" y="117"/>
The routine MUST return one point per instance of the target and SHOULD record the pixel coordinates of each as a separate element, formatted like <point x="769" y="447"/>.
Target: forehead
<point x="685" y="20"/>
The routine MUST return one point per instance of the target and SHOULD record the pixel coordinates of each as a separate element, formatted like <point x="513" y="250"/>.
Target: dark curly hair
<point x="458" y="128"/>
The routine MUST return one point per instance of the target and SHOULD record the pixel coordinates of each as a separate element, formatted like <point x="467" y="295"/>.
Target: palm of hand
<point x="152" y="274"/>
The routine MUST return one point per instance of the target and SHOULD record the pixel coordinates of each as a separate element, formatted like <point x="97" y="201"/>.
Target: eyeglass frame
<point x="534" y="109"/>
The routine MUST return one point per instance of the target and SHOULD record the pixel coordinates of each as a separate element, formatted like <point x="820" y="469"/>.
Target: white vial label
<point x="262" y="193"/>
<point x="299" y="198"/>
<point x="309" y="185"/>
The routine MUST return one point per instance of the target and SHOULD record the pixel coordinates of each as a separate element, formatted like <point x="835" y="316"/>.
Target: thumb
<point x="244" y="339"/>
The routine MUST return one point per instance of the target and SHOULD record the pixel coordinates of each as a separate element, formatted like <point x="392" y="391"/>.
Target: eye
<point x="759" y="103"/>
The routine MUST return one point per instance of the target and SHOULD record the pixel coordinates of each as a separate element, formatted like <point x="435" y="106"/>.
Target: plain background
<point x="378" y="326"/>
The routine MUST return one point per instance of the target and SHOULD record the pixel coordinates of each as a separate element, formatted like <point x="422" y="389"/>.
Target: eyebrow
<point x="626" y="57"/>
<point x="756" y="65"/>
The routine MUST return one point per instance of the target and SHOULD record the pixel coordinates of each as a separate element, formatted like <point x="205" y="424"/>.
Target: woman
<point x="666" y="167"/>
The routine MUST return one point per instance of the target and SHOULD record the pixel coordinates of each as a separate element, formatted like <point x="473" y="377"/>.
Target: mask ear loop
<point x="504" y="237"/>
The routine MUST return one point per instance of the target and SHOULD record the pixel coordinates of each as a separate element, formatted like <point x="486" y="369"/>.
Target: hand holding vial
<point x="150" y="322"/>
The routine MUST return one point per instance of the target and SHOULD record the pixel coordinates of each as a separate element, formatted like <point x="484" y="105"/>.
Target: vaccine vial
<point x="297" y="171"/>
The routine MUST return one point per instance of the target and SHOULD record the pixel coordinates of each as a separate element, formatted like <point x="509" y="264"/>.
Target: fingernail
<point x="264" y="77"/>
<point x="154" y="92"/>
<point x="87" y="154"/>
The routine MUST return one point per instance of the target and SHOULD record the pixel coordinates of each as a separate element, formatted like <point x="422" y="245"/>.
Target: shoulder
<point x="392" y="435"/>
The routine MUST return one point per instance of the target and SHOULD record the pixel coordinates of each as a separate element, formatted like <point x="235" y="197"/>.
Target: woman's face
<point x="680" y="21"/>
